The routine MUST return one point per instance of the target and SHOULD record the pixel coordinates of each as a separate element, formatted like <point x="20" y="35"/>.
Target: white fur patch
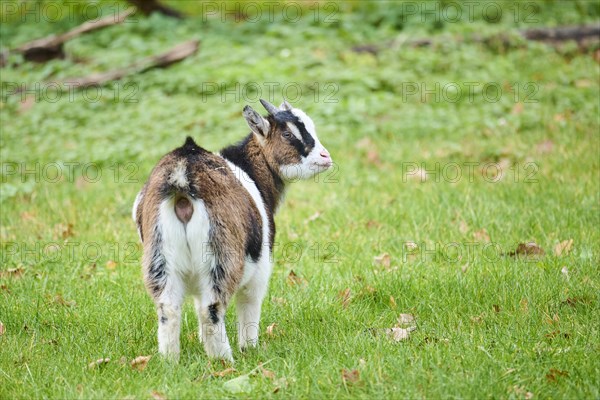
<point x="136" y="203"/>
<point x="250" y="186"/>
<point x="178" y="177"/>
<point x="308" y="123"/>
<point x="294" y="131"/>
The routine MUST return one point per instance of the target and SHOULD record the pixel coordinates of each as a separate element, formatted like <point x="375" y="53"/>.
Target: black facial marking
<point x="308" y="142"/>
<point x="213" y="312"/>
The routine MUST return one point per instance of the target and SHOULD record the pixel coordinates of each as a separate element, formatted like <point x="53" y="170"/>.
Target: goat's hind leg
<point x="211" y="315"/>
<point x="168" y="308"/>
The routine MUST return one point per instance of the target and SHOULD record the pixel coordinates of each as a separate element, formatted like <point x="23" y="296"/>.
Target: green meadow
<point x="453" y="251"/>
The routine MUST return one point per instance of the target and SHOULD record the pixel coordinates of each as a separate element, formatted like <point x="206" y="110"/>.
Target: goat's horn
<point x="271" y="109"/>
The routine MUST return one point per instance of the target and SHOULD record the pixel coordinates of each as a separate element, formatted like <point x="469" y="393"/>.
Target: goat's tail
<point x="178" y="180"/>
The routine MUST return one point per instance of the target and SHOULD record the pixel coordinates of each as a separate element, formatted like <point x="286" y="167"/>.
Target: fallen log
<point x="580" y="34"/>
<point x="51" y="47"/>
<point x="561" y="34"/>
<point x="176" y="54"/>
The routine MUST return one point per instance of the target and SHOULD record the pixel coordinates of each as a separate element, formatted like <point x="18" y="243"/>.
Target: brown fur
<point x="231" y="210"/>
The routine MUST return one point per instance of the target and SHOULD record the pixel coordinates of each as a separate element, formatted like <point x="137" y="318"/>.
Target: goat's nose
<point x="325" y="154"/>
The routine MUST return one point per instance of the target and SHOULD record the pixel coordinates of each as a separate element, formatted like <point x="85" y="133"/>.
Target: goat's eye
<point x="287" y="134"/>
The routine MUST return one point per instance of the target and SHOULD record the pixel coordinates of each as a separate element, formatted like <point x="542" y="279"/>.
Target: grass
<point x="488" y="324"/>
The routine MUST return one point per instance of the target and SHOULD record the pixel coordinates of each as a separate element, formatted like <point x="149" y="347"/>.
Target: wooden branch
<point x="150" y="6"/>
<point x="548" y="35"/>
<point x="176" y="54"/>
<point x="50" y="47"/>
<point x="560" y="34"/>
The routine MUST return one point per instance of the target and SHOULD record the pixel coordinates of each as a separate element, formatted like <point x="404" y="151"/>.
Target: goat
<point x="206" y="222"/>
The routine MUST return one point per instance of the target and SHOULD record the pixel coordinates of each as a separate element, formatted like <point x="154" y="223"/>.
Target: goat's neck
<point x="249" y="156"/>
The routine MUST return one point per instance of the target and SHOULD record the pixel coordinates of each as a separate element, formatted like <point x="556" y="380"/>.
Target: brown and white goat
<point x="207" y="226"/>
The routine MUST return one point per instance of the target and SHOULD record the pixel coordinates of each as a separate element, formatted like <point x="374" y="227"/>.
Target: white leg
<point x="248" y="311"/>
<point x="168" y="308"/>
<point x="249" y="301"/>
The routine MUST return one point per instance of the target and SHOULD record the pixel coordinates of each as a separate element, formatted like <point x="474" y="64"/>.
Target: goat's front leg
<point x="248" y="303"/>
<point x="168" y="308"/>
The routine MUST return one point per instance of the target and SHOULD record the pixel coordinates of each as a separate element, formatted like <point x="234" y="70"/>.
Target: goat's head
<point x="288" y="140"/>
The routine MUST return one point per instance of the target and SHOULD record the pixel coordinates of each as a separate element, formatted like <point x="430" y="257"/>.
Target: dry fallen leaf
<point x="373" y="157"/>
<point x="410" y="245"/>
<point x="519" y="391"/>
<point x="399" y="334"/>
<point x="224" y="372"/>
<point x="554" y="373"/>
<point x="58" y="299"/>
<point x="157" y="395"/>
<point x="545" y="147"/>
<point x="271" y="328"/>
<point x="98" y="363"/>
<point x="345" y="296"/>
<point x="12" y="273"/>
<point x="517" y="109"/>
<point x="524" y="303"/>
<point x="140" y="362"/>
<point x="404" y="319"/>
<point x="110" y="264"/>
<point x="370" y="289"/>
<point x="293" y="279"/>
<point x="393" y="302"/>
<point x="26" y="103"/>
<point x="313" y="217"/>
<point x="482" y="235"/>
<point x="463" y="227"/>
<point x="384" y="260"/>
<point x="280" y="383"/>
<point x="527" y="249"/>
<point x="555" y="334"/>
<point x="563" y="247"/>
<point x="496" y="308"/>
<point x="27" y="216"/>
<point x="2" y="329"/>
<point x="364" y="143"/>
<point x="574" y="301"/>
<point x="279" y="300"/>
<point x="372" y="224"/>
<point x="266" y="373"/>
<point x="554" y="320"/>
<point x="351" y="376"/>
<point x="63" y="231"/>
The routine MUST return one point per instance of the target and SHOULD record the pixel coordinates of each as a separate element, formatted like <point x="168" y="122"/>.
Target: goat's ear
<point x="285" y="106"/>
<point x="256" y="122"/>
